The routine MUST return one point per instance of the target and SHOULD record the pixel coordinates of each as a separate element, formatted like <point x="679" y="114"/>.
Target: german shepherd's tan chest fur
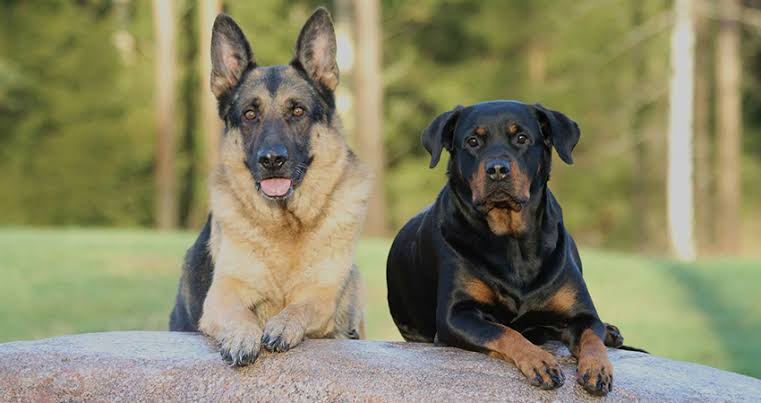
<point x="273" y="255"/>
<point x="273" y="250"/>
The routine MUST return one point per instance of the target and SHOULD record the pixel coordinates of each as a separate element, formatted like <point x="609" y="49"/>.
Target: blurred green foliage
<point x="77" y="139"/>
<point x="77" y="124"/>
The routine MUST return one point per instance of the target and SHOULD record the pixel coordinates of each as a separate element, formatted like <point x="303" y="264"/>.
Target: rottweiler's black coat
<point x="489" y="266"/>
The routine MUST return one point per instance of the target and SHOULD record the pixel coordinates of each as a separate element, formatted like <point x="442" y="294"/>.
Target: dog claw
<point x="557" y="377"/>
<point x="249" y="358"/>
<point x="537" y="381"/>
<point x="226" y="357"/>
<point x="584" y="379"/>
<point x="282" y="347"/>
<point x="281" y="334"/>
<point x="238" y="351"/>
<point x="242" y="359"/>
<point x="600" y="385"/>
<point x="546" y="377"/>
<point x="274" y="344"/>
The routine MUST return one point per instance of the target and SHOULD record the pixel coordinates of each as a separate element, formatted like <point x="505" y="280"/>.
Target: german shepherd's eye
<point x="521" y="139"/>
<point x="298" y="112"/>
<point x="473" y="142"/>
<point x="249" y="114"/>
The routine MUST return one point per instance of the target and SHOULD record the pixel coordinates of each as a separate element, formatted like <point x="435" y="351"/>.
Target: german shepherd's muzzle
<point x="277" y="156"/>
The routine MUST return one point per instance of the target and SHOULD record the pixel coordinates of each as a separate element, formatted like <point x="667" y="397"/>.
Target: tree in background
<point x="368" y="123"/>
<point x="78" y="140"/>
<point x="77" y="128"/>
<point x="210" y="125"/>
<point x="343" y="16"/>
<point x="704" y="184"/>
<point x="637" y="116"/>
<point x="729" y="125"/>
<point x="680" y="144"/>
<point x="166" y="52"/>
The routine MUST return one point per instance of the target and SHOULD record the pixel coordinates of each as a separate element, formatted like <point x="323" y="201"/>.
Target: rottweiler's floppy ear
<point x="316" y="49"/>
<point x="230" y="55"/>
<point x="439" y="134"/>
<point x="561" y="131"/>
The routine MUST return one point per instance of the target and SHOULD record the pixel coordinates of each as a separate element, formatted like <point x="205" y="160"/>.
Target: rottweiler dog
<point x="274" y="262"/>
<point x="489" y="266"/>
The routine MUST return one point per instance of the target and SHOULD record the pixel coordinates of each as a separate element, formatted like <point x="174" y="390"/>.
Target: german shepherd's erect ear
<point x="316" y="50"/>
<point x="231" y="55"/>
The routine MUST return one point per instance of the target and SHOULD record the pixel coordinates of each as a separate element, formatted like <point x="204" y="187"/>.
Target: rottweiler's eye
<point x="472" y="141"/>
<point x="249" y="114"/>
<point x="298" y="111"/>
<point x="521" y="139"/>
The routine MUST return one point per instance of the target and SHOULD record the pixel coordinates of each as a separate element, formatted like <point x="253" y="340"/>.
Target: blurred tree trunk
<point x="537" y="60"/>
<point x="704" y="174"/>
<point x="680" y="152"/>
<point x="210" y="124"/>
<point x="729" y="126"/>
<point x="345" y="58"/>
<point x="640" y="167"/>
<point x="537" y="48"/>
<point x="536" y="57"/>
<point x="369" y="107"/>
<point x="165" y="52"/>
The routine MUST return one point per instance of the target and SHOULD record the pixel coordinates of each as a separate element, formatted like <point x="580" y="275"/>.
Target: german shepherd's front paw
<point x="282" y="332"/>
<point x="239" y="345"/>
<point x="541" y="368"/>
<point x="595" y="374"/>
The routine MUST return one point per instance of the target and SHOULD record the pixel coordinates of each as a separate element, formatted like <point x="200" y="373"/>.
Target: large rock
<point x="159" y="366"/>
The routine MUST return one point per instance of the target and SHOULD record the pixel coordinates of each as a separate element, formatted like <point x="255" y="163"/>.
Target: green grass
<point x="54" y="282"/>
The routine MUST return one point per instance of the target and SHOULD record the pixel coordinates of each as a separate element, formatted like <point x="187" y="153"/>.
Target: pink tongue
<point x="275" y="187"/>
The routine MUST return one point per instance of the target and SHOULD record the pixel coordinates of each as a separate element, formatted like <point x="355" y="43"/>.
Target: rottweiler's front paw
<point x="240" y="346"/>
<point x="540" y="368"/>
<point x="595" y="374"/>
<point x="281" y="333"/>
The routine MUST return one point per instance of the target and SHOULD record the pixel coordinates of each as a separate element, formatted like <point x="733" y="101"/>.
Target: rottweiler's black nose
<point x="497" y="169"/>
<point x="272" y="157"/>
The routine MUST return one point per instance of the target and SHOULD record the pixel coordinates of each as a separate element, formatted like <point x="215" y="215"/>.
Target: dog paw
<point x="240" y="346"/>
<point x="613" y="337"/>
<point x="595" y="375"/>
<point x="541" y="369"/>
<point x="281" y="333"/>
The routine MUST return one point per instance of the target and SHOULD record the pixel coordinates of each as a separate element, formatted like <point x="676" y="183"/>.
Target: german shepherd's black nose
<point x="272" y="157"/>
<point x="497" y="169"/>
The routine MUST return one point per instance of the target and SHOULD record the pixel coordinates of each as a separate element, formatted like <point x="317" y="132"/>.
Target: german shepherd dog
<point x="274" y="262"/>
<point x="489" y="266"/>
